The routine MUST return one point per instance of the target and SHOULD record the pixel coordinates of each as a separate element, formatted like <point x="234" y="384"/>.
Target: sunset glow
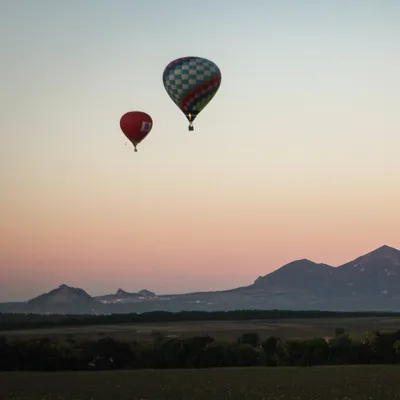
<point x="297" y="156"/>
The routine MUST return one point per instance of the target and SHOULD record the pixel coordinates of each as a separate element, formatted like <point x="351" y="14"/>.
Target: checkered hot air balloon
<point x="191" y="83"/>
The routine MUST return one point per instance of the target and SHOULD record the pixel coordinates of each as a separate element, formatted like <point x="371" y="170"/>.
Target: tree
<point x="250" y="338"/>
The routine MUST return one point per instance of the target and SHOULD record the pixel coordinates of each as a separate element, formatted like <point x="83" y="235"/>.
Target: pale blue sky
<point x="308" y="109"/>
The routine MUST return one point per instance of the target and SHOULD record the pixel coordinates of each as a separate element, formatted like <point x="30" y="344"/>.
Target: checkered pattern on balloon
<point x="191" y="82"/>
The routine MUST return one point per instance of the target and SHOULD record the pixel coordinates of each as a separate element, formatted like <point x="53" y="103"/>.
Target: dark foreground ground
<point x="322" y="383"/>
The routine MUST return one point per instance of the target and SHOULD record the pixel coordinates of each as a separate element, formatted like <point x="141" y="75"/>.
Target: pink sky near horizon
<point x="298" y="158"/>
<point x="165" y="248"/>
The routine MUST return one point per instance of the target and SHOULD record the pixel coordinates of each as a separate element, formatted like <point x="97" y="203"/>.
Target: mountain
<point x="63" y="300"/>
<point x="370" y="282"/>
<point x="302" y="276"/>
<point x="374" y="274"/>
<point x="124" y="297"/>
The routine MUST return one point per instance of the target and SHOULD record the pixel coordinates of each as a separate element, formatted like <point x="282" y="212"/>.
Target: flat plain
<point x="220" y="330"/>
<point x="304" y="383"/>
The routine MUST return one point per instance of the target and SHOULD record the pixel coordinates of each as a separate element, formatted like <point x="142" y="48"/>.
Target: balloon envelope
<point x="136" y="125"/>
<point x="191" y="83"/>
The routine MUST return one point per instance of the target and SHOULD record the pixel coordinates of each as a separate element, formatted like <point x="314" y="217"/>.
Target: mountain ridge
<point x="370" y="281"/>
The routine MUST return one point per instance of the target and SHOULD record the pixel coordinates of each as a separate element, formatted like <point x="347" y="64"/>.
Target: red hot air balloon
<point x="136" y="125"/>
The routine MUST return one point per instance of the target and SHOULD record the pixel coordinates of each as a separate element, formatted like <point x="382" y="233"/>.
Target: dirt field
<point x="222" y="330"/>
<point x="322" y="383"/>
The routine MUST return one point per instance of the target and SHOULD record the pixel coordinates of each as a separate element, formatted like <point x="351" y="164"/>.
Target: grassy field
<point x="226" y="330"/>
<point x="322" y="383"/>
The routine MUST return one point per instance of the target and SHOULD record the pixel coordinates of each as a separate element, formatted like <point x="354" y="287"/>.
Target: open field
<point x="225" y="330"/>
<point x="322" y="383"/>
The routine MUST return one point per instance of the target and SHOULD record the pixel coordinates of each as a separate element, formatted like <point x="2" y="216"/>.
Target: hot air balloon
<point x="191" y="82"/>
<point x="136" y="125"/>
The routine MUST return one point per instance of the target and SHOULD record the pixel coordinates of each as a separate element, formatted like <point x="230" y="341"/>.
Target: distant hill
<point x="124" y="297"/>
<point x="63" y="300"/>
<point x="302" y="276"/>
<point x="370" y="282"/>
<point x="374" y="274"/>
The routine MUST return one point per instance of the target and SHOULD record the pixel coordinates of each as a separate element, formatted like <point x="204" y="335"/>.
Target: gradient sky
<point x="297" y="156"/>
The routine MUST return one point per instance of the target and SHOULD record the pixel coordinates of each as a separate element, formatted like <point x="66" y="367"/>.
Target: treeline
<point x="46" y="354"/>
<point x="32" y="321"/>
